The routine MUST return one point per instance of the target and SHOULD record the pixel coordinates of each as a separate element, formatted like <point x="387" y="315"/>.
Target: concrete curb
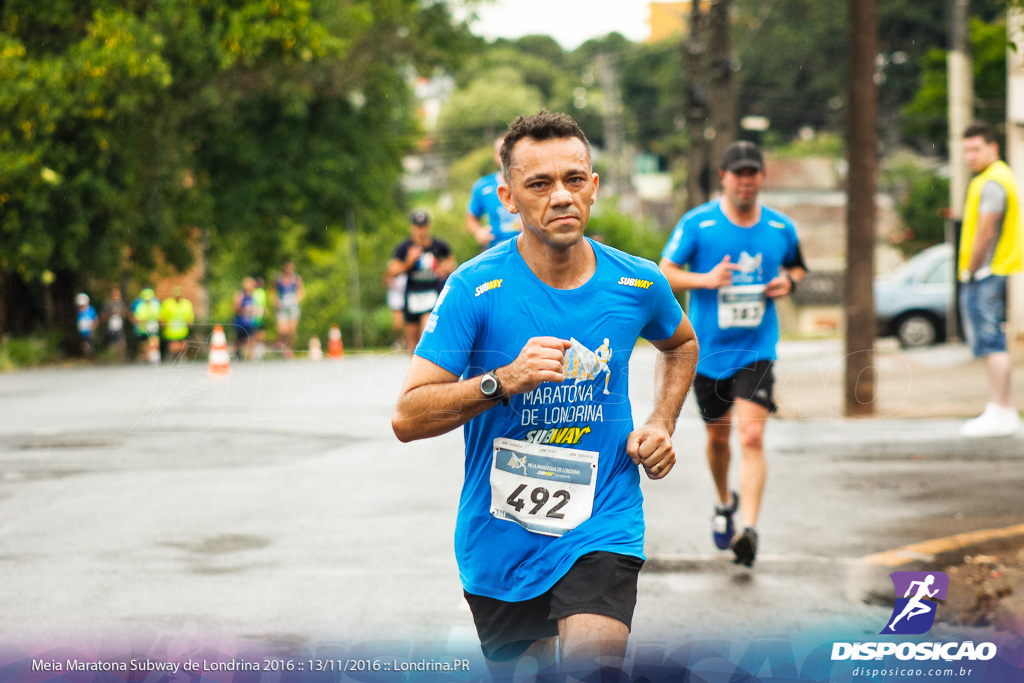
<point x="868" y="578"/>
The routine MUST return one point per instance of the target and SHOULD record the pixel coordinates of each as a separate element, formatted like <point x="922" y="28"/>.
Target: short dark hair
<point x="543" y="125"/>
<point x="980" y="129"/>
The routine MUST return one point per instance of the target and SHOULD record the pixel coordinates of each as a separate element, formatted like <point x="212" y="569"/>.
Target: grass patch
<point x="28" y="352"/>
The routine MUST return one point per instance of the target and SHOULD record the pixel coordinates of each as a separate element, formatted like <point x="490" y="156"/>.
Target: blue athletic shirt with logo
<point x="489" y="308"/>
<point x="701" y="239"/>
<point x="484" y="200"/>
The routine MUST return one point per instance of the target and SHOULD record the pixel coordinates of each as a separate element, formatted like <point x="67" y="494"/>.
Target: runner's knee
<point x="752" y="438"/>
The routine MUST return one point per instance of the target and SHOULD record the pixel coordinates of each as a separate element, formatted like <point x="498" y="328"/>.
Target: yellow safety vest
<point x="176" y="317"/>
<point x="1009" y="253"/>
<point x="147" y="317"/>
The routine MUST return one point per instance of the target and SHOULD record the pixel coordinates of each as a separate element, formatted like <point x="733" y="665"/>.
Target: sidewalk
<point x="944" y="381"/>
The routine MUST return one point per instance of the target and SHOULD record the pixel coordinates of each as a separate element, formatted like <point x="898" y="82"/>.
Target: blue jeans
<point x="983" y="309"/>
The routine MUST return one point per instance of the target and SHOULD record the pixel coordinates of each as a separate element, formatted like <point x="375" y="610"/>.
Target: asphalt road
<point x="275" y="506"/>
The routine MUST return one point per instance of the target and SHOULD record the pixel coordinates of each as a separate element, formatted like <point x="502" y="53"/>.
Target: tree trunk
<point x="722" y="86"/>
<point x="65" y="316"/>
<point x="20" y="310"/>
<point x="697" y="185"/>
<point x="862" y="152"/>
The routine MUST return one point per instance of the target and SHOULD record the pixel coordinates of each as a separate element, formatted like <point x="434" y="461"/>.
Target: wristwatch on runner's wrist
<point x="490" y="387"/>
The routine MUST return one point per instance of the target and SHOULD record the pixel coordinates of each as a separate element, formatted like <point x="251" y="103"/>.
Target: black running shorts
<point x="598" y="583"/>
<point x="754" y="383"/>
<point x="412" y="318"/>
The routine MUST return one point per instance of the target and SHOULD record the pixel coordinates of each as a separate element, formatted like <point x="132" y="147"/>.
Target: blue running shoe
<point x="722" y="529"/>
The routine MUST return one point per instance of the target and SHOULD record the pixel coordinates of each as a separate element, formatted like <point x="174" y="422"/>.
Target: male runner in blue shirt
<point x="742" y="256"/>
<point x="483" y="201"/>
<point x="528" y="347"/>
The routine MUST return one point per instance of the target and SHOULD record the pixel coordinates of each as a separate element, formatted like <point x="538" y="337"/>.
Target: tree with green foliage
<point x="126" y="125"/>
<point x="482" y="110"/>
<point x="925" y="117"/>
<point x="792" y="57"/>
<point x="922" y="196"/>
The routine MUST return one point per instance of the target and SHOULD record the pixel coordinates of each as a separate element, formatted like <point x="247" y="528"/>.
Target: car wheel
<point x="915" y="331"/>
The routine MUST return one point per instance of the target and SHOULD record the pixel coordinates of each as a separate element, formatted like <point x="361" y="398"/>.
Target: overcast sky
<point x="570" y="22"/>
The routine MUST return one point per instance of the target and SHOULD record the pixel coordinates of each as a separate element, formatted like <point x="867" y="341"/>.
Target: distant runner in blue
<point x="742" y="256"/>
<point x="86" y="319"/>
<point x="502" y="224"/>
<point x="528" y="348"/>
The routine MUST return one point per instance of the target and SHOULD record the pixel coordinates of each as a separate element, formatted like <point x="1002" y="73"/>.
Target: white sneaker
<point x="1012" y="418"/>
<point x="995" y="421"/>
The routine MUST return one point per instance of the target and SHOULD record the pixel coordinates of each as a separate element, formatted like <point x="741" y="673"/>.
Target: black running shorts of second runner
<point x="598" y="583"/>
<point x="754" y="383"/>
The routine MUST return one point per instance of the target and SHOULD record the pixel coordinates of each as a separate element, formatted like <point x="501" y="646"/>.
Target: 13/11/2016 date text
<point x="345" y="665"/>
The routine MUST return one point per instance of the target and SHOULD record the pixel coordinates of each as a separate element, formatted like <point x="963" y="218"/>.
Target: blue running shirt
<point x="701" y="239"/>
<point x="85" y="319"/>
<point x="484" y="200"/>
<point x="489" y="308"/>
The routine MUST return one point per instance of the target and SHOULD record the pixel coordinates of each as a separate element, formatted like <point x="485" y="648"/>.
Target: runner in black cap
<point x="742" y="256"/>
<point x="427" y="261"/>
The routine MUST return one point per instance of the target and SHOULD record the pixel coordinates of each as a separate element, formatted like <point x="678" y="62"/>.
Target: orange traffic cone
<point x="220" y="360"/>
<point x="316" y="352"/>
<point x="335" y="349"/>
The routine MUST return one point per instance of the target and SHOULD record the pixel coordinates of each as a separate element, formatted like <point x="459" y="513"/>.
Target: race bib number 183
<point x="545" y="489"/>
<point x="740" y="306"/>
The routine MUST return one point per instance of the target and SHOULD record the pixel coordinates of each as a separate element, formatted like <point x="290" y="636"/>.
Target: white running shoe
<point x="994" y="421"/>
<point x="1012" y="418"/>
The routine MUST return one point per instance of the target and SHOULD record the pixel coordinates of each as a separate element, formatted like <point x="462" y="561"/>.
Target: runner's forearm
<point x="680" y="279"/>
<point x="396" y="267"/>
<point x="673" y="374"/>
<point x="435" y="409"/>
<point x="476" y="228"/>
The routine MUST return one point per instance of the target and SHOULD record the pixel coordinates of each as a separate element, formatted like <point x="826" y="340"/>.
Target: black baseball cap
<point x="419" y="218"/>
<point x="742" y="154"/>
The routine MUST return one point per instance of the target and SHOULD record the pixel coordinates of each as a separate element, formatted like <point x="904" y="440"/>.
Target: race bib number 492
<point x="545" y="489"/>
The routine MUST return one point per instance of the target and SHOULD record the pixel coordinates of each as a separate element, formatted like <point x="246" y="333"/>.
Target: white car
<point x="912" y="302"/>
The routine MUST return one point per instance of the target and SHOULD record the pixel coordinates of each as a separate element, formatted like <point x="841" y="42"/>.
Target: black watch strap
<point x="499" y="394"/>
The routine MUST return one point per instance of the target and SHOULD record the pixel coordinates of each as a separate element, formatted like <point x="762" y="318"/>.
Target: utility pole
<point x="861" y="152"/>
<point x="960" y="102"/>
<point x="960" y="84"/>
<point x="722" y="84"/>
<point x="614" y="135"/>
<point x="696" y="108"/>
<point x="711" y="96"/>
<point x="1015" y="158"/>
<point x="355" y="297"/>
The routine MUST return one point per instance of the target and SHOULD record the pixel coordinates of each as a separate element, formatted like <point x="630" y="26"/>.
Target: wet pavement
<point x="275" y="505"/>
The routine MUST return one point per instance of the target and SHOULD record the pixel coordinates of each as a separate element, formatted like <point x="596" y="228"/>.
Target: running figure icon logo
<point x="582" y="364"/>
<point x="914" y="612"/>
<point x="748" y="264"/>
<point x="518" y="461"/>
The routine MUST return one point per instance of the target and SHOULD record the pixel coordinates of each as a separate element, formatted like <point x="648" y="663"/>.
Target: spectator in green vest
<point x="146" y="321"/>
<point x="259" y="295"/>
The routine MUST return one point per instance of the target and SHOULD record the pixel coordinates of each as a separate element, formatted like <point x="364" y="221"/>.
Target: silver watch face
<point x="489" y="385"/>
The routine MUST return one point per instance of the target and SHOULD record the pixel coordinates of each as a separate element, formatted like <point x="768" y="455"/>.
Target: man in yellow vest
<point x="176" y="314"/>
<point x="991" y="248"/>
